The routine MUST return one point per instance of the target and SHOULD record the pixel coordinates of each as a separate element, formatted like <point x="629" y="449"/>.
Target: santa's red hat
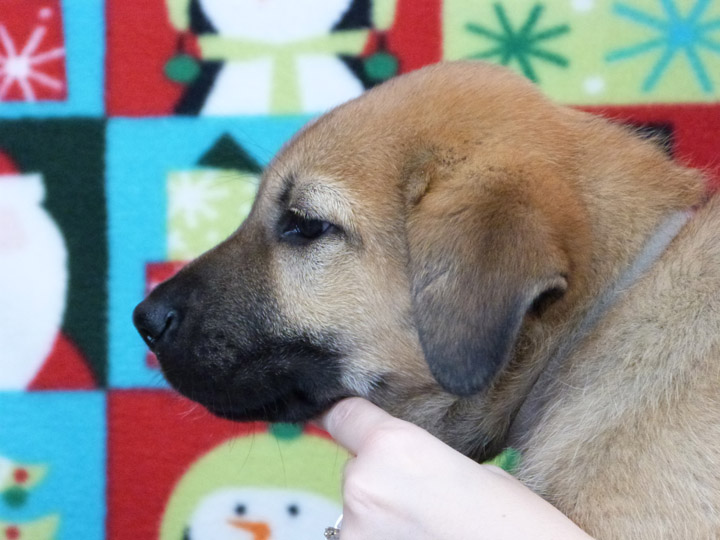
<point x="13" y="180"/>
<point x="7" y="165"/>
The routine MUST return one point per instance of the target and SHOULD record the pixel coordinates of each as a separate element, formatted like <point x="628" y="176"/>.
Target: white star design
<point x="20" y="68"/>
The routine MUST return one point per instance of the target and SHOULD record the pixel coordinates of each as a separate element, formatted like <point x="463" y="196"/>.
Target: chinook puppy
<point x="493" y="267"/>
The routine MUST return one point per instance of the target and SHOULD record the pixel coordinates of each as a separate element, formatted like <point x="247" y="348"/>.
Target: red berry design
<point x="12" y="533"/>
<point x="21" y="476"/>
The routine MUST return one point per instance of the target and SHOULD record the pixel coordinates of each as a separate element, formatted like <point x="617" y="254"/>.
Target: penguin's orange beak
<point x="259" y="529"/>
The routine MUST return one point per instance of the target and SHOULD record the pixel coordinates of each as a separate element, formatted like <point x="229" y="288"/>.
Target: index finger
<point x="351" y="420"/>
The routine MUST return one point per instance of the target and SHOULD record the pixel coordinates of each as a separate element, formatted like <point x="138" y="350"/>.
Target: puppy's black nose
<point x="156" y="321"/>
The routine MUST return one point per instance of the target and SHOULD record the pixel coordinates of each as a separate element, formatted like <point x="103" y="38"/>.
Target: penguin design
<point x="274" y="56"/>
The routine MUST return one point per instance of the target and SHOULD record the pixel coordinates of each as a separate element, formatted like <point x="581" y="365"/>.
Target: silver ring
<point x="334" y="532"/>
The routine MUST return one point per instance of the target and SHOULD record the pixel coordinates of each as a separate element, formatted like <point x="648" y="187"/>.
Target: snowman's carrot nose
<point x="259" y="529"/>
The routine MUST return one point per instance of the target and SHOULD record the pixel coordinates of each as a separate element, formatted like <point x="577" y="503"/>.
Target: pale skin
<point x="405" y="484"/>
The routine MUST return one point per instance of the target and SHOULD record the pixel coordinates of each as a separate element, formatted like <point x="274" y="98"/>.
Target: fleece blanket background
<point x="132" y="134"/>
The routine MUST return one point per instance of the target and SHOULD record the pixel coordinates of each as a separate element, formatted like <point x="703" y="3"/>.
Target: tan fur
<point x="460" y="186"/>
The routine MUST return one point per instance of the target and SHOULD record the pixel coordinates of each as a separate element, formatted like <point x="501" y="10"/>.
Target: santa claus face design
<point x="33" y="279"/>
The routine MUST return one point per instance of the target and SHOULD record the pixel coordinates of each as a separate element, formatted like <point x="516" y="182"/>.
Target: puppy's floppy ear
<point x="482" y="256"/>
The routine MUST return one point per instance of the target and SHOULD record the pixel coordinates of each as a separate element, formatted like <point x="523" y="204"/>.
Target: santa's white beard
<point x="33" y="288"/>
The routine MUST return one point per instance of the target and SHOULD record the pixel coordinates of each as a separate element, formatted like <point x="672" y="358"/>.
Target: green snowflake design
<point x="520" y="44"/>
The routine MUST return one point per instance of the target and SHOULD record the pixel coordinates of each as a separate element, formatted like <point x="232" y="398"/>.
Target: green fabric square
<point x="592" y="51"/>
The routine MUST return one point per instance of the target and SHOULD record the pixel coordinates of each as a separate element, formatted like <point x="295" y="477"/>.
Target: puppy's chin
<point x="285" y="401"/>
<point x="291" y="408"/>
<point x="290" y="382"/>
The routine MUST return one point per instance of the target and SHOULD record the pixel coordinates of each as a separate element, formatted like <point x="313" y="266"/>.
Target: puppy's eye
<point x="299" y="228"/>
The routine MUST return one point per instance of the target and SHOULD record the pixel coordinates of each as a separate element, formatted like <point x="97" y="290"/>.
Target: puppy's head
<point x="399" y="249"/>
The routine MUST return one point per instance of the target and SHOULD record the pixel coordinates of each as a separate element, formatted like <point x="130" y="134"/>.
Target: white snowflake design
<point x="192" y="197"/>
<point x="176" y="242"/>
<point x="21" y="67"/>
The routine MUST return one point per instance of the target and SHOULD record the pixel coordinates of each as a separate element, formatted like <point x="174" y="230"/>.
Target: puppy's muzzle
<point x="168" y="324"/>
<point x="221" y="340"/>
<point x="157" y="321"/>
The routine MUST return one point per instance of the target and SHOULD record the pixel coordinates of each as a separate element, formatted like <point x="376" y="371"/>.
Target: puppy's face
<point x="306" y="303"/>
<point x="398" y="249"/>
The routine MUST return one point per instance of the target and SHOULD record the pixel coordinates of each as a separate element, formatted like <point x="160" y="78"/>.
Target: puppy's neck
<point x="537" y="399"/>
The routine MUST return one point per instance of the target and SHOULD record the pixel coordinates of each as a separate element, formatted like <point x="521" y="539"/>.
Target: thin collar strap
<point x="651" y="252"/>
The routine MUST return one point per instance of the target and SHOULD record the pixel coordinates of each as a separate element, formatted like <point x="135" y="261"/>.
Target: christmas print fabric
<point x="132" y="137"/>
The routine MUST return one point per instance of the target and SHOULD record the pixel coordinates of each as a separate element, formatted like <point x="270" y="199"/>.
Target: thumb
<point x="352" y="420"/>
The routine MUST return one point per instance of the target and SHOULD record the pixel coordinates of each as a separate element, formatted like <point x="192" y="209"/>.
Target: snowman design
<point x="17" y="480"/>
<point x="283" y="484"/>
<point x="275" y="56"/>
<point x="40" y="529"/>
<point x="33" y="278"/>
<point x="260" y="514"/>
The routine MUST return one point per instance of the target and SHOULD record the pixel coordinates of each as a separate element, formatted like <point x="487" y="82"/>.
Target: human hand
<point x="404" y="484"/>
